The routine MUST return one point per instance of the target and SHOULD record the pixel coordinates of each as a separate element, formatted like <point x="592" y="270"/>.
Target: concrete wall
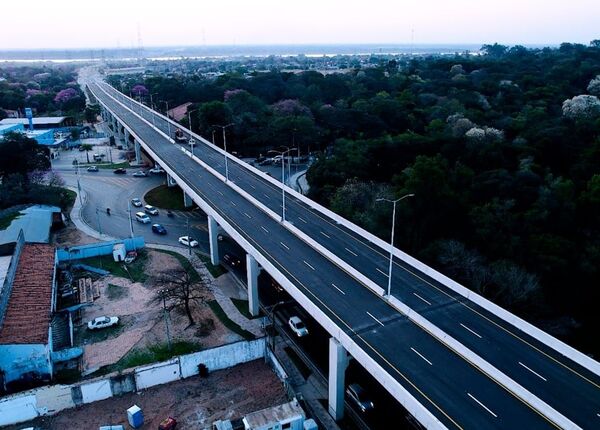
<point x="16" y="360"/>
<point x="96" y="249"/>
<point x="55" y="398"/>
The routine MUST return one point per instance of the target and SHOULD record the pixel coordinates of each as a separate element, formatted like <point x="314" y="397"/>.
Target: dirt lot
<point x="141" y="322"/>
<point x="195" y="402"/>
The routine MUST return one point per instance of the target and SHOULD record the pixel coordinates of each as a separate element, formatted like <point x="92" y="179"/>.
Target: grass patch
<point x="220" y="313"/>
<point x="185" y="263"/>
<point x="242" y="306"/>
<point x="116" y="292"/>
<point x="302" y="368"/>
<point x="6" y="220"/>
<point x="215" y="271"/>
<point x="134" y="271"/>
<point x="166" y="197"/>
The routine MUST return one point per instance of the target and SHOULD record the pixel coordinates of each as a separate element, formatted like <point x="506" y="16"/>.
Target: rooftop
<point x="277" y="414"/>
<point x="28" y="313"/>
<point x="36" y="121"/>
<point x="178" y="112"/>
<point x="35" y="221"/>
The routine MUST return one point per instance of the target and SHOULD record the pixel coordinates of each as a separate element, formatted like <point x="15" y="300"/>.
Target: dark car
<point x="120" y="171"/>
<point x="159" y="229"/>
<point x="357" y="395"/>
<point x="232" y="260"/>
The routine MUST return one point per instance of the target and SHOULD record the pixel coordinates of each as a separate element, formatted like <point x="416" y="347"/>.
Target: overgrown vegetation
<point x="134" y="271"/>
<point x="220" y="313"/>
<point x="6" y="220"/>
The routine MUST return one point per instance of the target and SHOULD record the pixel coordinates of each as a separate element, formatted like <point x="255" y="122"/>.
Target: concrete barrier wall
<point x="52" y="399"/>
<point x="156" y="374"/>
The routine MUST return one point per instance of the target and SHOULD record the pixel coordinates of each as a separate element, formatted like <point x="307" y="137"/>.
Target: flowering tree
<point x="583" y="106"/>
<point x="594" y="86"/>
<point x="291" y="107"/>
<point x="140" y="90"/>
<point x="484" y="134"/>
<point x="65" y="95"/>
<point x="230" y="94"/>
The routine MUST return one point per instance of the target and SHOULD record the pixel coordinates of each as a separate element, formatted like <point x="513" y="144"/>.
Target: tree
<point x="22" y="155"/>
<point x="91" y="113"/>
<point x="180" y="288"/>
<point x="87" y="148"/>
<point x="583" y="106"/>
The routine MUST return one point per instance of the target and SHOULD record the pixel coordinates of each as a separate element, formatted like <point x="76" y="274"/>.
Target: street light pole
<point x="152" y="109"/>
<point x="192" y="142"/>
<point x="168" y="122"/>
<point x="389" y="288"/>
<point x="223" y="127"/>
<point x="283" y="153"/>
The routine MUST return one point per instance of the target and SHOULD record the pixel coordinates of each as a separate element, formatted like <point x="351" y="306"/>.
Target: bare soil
<point x="194" y="402"/>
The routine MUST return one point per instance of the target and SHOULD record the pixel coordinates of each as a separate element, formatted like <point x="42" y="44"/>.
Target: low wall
<point x="96" y="249"/>
<point x="52" y="399"/>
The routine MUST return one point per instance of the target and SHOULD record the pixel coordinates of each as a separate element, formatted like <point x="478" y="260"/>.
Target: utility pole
<point x="130" y="219"/>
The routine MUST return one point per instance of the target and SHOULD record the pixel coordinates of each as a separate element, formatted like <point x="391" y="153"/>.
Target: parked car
<point x="102" y="322"/>
<point x="232" y="260"/>
<point x="149" y="209"/>
<point x="136" y="202"/>
<point x="140" y="174"/>
<point x="188" y="241"/>
<point x="92" y="169"/>
<point x="298" y="326"/>
<point x="142" y="217"/>
<point x="159" y="229"/>
<point x="120" y="171"/>
<point x="156" y="169"/>
<point x="168" y="424"/>
<point x="357" y="395"/>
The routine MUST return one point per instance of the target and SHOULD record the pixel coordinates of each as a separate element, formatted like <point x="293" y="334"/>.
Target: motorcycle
<point x="170" y="214"/>
<point x="108" y="211"/>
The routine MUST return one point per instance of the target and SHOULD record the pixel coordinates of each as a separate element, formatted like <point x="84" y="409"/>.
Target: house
<point x="178" y="112"/>
<point x="27" y="301"/>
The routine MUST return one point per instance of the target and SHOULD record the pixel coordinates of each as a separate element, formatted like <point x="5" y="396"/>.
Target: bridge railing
<point x="521" y="324"/>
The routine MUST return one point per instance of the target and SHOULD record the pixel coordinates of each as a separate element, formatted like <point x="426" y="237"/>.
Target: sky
<point x="63" y="24"/>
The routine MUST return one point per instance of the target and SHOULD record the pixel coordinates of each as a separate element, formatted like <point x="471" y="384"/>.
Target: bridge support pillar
<point x="252" y="272"/>
<point x="338" y="361"/>
<point x="213" y="231"/>
<point x="171" y="183"/>
<point x="138" y="152"/>
<point x="187" y="200"/>
<point x="127" y="141"/>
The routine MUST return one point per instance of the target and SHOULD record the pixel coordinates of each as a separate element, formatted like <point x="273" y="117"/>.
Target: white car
<point x="142" y="217"/>
<point x="156" y="169"/>
<point x="102" y="322"/>
<point x="140" y="174"/>
<point x="150" y="210"/>
<point x="298" y="326"/>
<point x="136" y="202"/>
<point x="188" y="241"/>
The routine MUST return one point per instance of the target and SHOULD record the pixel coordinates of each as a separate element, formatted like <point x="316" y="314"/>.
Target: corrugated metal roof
<point x="27" y="318"/>
<point x="35" y="221"/>
<point x="36" y="120"/>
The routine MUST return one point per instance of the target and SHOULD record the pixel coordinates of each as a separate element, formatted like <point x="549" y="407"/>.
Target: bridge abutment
<point x="213" y="231"/>
<point x="338" y="361"/>
<point x="252" y="271"/>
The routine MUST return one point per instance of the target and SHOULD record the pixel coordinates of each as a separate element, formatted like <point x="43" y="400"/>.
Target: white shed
<point x="288" y="416"/>
<point x="119" y="252"/>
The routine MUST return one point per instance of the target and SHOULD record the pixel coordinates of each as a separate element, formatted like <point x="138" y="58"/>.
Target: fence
<point x="96" y="249"/>
<point x="52" y="399"/>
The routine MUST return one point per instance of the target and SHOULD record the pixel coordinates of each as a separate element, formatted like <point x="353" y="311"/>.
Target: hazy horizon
<point x="65" y="24"/>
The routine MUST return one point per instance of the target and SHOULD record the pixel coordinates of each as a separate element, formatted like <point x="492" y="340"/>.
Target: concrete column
<point x="338" y="361"/>
<point x="252" y="276"/>
<point x="127" y="141"/>
<point x="171" y="182"/>
<point x="213" y="231"/>
<point x="187" y="200"/>
<point x="138" y="152"/>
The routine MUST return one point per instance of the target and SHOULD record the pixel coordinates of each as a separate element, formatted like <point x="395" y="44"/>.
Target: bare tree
<point x="180" y="289"/>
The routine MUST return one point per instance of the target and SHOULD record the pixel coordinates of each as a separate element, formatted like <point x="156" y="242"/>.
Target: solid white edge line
<point x="338" y="288"/>
<point x="475" y="333"/>
<point x="422" y="298"/>
<point x="371" y="315"/>
<point x="381" y="271"/>
<point x="482" y="405"/>
<point x="421" y="355"/>
<point x="534" y="372"/>
<point x="305" y="262"/>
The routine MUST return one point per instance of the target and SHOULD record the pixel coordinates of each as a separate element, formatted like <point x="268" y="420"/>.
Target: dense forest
<point x="501" y="150"/>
